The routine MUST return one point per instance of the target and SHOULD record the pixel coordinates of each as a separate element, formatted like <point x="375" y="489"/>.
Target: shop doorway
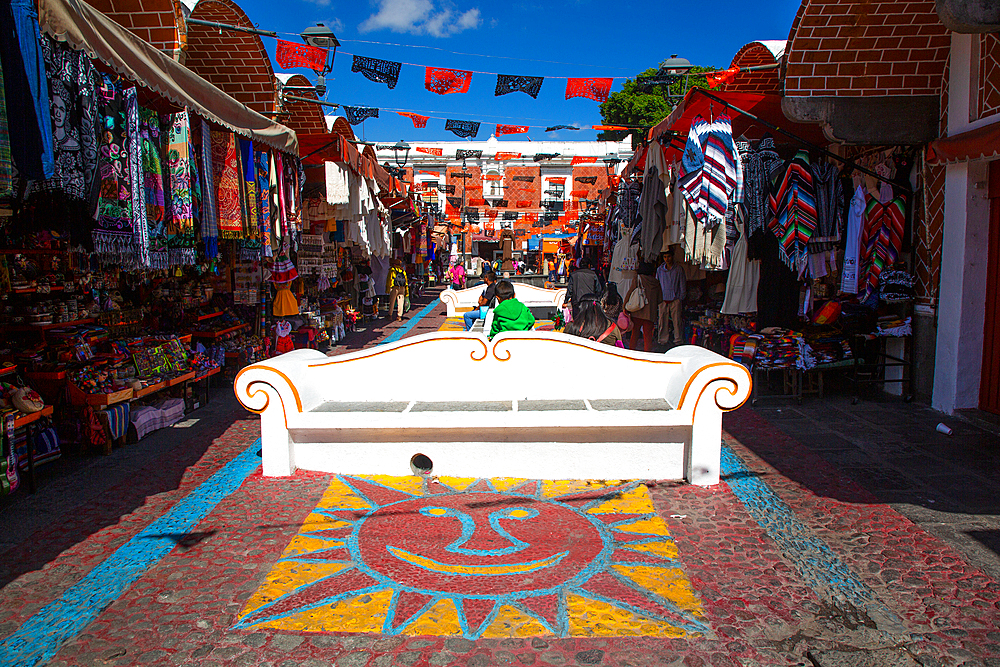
<point x="989" y="385"/>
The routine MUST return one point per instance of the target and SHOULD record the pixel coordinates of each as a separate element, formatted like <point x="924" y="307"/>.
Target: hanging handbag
<point x="636" y="300"/>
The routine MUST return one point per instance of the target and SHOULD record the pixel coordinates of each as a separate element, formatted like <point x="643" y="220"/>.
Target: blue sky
<point x="582" y="38"/>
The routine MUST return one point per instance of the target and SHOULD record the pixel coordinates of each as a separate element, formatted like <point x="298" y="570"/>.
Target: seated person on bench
<point x="485" y="300"/>
<point x="510" y="314"/>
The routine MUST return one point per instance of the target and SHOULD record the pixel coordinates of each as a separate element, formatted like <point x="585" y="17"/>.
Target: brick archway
<point x="303" y="117"/>
<point x="236" y="62"/>
<point x="756" y="54"/>
<point x="159" y="22"/>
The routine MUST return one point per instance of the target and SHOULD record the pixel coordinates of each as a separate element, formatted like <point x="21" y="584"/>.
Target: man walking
<point x="673" y="287"/>
<point x="485" y="300"/>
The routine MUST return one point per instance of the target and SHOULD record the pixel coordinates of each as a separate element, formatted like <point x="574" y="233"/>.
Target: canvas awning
<point x="982" y="143"/>
<point x="86" y="29"/>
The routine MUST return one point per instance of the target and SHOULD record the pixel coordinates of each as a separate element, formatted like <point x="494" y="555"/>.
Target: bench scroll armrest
<point x="285" y="378"/>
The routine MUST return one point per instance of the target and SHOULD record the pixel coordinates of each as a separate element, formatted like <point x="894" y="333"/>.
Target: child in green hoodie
<point x="510" y="314"/>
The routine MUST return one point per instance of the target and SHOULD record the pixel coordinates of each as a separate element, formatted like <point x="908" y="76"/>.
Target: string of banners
<point x="462" y="128"/>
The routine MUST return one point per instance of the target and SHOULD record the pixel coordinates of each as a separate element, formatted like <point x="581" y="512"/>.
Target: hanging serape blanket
<point x="445" y="81"/>
<point x="357" y="115"/>
<point x="227" y="184"/>
<point x="595" y="89"/>
<point x="250" y="247"/>
<point x="277" y="224"/>
<point x="209" y="212"/>
<point x="263" y="185"/>
<point x="379" y="71"/>
<point x="709" y="192"/>
<point x="881" y="240"/>
<point x="418" y="120"/>
<point x="6" y="163"/>
<point x="114" y="242"/>
<point x="512" y="83"/>
<point x="140" y="226"/>
<point x="757" y="166"/>
<point x="290" y="54"/>
<point x="462" y="128"/>
<point x="793" y="207"/>
<point x="72" y="104"/>
<point x="511" y="129"/>
<point x="180" y="220"/>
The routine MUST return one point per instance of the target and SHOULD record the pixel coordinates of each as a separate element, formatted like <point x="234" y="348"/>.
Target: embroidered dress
<point x="112" y="233"/>
<point x="881" y="240"/>
<point x="209" y="211"/>
<point x="227" y="184"/>
<point x="793" y="206"/>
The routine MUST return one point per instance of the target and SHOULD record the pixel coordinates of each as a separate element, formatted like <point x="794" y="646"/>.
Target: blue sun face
<point x="480" y="558"/>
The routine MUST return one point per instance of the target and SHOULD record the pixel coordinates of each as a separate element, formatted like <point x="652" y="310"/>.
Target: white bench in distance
<point x="605" y="413"/>
<point x="458" y="301"/>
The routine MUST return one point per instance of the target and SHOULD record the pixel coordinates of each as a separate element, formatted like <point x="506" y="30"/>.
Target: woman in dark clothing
<point x="583" y="284"/>
<point x="642" y="319"/>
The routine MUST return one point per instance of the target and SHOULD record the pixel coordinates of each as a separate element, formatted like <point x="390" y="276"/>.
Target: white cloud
<point x="420" y="17"/>
<point x="319" y="3"/>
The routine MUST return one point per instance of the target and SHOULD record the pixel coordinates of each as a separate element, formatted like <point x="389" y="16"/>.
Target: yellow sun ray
<point x="340" y="496"/>
<point x="511" y="622"/>
<point x="564" y="487"/>
<point x="649" y="526"/>
<point x="362" y="613"/>
<point x="302" y="544"/>
<point x="458" y="483"/>
<point x="636" y="501"/>
<point x="287" y="576"/>
<point x="664" y="549"/>
<point x="412" y="485"/>
<point x="440" y="620"/>
<point x="316" y="522"/>
<point x="669" y="583"/>
<point x="593" y="618"/>
<point x="507" y="483"/>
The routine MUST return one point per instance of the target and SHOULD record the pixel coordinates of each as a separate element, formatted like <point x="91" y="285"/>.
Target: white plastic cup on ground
<point x="943" y="428"/>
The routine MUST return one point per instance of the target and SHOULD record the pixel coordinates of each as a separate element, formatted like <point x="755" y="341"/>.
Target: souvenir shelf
<point x="220" y="333"/>
<point x="27" y="420"/>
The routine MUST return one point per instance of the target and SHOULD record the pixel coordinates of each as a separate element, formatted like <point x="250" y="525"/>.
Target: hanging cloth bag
<point x="637" y="300"/>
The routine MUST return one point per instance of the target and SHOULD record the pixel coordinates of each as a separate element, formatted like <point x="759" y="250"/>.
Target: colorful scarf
<point x="6" y="164"/>
<point x="263" y="183"/>
<point x="114" y="242"/>
<point x="180" y="223"/>
<point x="282" y="204"/>
<point x="881" y="240"/>
<point x="225" y="172"/>
<point x="140" y="225"/>
<point x="793" y="207"/>
<point x="209" y="214"/>
<point x="249" y="165"/>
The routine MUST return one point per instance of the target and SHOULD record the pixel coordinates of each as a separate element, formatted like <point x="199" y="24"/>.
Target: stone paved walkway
<point x="177" y="551"/>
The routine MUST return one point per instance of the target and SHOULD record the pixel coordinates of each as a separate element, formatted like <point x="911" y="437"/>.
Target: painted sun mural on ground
<point x="480" y="558"/>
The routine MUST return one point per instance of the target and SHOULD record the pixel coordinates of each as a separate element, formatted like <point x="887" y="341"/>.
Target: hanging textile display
<point x="180" y="218"/>
<point x="72" y="103"/>
<point x="249" y="162"/>
<point x="793" y="207"/>
<point x="881" y="240"/>
<point x="140" y="226"/>
<point x="6" y="165"/>
<point x="275" y="201"/>
<point x="562" y="127"/>
<point x="112" y="234"/>
<point x="757" y="165"/>
<point x="227" y="186"/>
<point x="290" y="54"/>
<point x="463" y="128"/>
<point x="708" y="170"/>
<point x="419" y="121"/>
<point x="282" y="274"/>
<point x="152" y="172"/>
<point x="511" y="129"/>
<point x="463" y="154"/>
<point x="209" y="212"/>
<point x="379" y="71"/>
<point x="357" y="115"/>
<point x="595" y="89"/>
<point x="445" y="81"/>
<point x="264" y="201"/>
<point x="512" y="83"/>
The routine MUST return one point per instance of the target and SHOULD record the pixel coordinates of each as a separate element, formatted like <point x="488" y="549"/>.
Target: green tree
<point x="643" y="107"/>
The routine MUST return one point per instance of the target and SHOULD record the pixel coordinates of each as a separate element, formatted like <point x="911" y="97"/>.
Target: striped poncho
<point x="881" y="240"/>
<point x="710" y="170"/>
<point x="793" y="211"/>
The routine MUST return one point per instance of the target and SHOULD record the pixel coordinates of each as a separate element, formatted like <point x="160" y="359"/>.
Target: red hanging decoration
<point x="578" y="193"/>
<point x="582" y="159"/>
<point x="523" y="203"/>
<point x="445" y="81"/>
<point x="418" y="120"/>
<point x="290" y="54"/>
<point x="429" y="173"/>
<point x="716" y="79"/>
<point x="557" y="179"/>
<point x="607" y="128"/>
<point x="492" y="177"/>
<point x="511" y="129"/>
<point x="595" y="89"/>
<point x="506" y="156"/>
<point x="430" y="151"/>
<point x="477" y="201"/>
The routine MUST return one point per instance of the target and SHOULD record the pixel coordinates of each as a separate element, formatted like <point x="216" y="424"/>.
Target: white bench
<point x="461" y="300"/>
<point x="542" y="405"/>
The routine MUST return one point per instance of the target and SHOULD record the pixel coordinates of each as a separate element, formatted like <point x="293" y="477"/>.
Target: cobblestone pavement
<point x="177" y="551"/>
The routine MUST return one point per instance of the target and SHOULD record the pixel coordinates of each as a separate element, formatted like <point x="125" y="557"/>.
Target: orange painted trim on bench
<point x="431" y="340"/>
<point x="295" y="391"/>
<point x="718" y="363"/>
